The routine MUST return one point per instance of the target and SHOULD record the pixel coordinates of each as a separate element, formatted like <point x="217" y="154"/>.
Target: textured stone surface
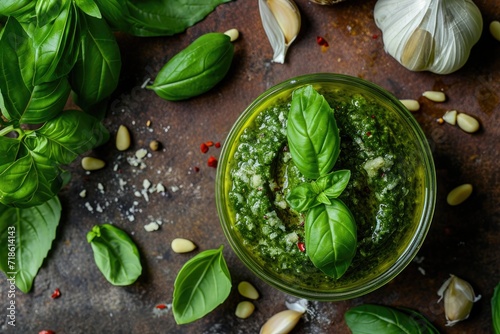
<point x="463" y="240"/>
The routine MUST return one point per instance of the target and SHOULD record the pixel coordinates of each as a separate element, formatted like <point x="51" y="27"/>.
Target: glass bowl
<point x="393" y="203"/>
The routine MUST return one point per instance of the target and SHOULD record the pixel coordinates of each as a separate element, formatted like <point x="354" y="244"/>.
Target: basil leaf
<point x="65" y="137"/>
<point x="302" y="197"/>
<point x="31" y="179"/>
<point x="370" y="318"/>
<point x="331" y="237"/>
<point x="333" y="184"/>
<point x="196" y="69"/>
<point x="156" y="18"/>
<point x="495" y="309"/>
<point x="424" y="324"/>
<point x="54" y="44"/>
<point x="115" y="254"/>
<point x="89" y="7"/>
<point x="201" y="285"/>
<point x="15" y="7"/>
<point x="97" y="70"/>
<point x="46" y="11"/>
<point x="313" y="136"/>
<point x="31" y="231"/>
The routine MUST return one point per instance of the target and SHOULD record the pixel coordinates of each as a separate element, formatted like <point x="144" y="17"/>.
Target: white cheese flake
<point x="153" y="226"/>
<point x="83" y="193"/>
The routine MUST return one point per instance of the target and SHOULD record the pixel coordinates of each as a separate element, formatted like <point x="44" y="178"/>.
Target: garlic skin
<point x="281" y="20"/>
<point x="429" y="35"/>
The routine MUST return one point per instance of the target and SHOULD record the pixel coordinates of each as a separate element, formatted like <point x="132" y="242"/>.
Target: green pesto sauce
<point x="382" y="194"/>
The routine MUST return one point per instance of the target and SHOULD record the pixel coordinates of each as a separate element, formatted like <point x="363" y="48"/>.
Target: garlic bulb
<point x="432" y="35"/>
<point x="281" y="21"/>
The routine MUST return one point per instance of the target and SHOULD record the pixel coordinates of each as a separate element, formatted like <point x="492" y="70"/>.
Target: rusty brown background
<point x="463" y="240"/>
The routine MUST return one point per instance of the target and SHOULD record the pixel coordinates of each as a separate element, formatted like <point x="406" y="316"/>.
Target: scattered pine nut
<point x="440" y="120"/>
<point x="467" y="123"/>
<point x="148" y="123"/>
<point x="248" y="290"/>
<point x="233" y="34"/>
<point x="495" y="29"/>
<point x="459" y="194"/>
<point x="244" y="309"/>
<point x="282" y="322"/>
<point x="411" y="105"/>
<point x="450" y="117"/>
<point x="154" y="145"/>
<point x="435" y="96"/>
<point x="122" y="138"/>
<point x="180" y="245"/>
<point x="90" y="163"/>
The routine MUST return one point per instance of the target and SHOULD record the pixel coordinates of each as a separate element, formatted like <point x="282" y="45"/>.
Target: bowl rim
<point x="430" y="188"/>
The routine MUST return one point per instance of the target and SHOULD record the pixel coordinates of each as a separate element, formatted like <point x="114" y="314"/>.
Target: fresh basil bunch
<point x="371" y="318"/>
<point x="196" y="69"/>
<point x="495" y="309"/>
<point x="314" y="143"/>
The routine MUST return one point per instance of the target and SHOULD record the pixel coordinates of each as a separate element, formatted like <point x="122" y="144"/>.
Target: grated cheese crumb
<point x="153" y="226"/>
<point x="83" y="193"/>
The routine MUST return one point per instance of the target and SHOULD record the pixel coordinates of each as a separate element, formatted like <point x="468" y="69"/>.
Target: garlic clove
<point x="281" y="20"/>
<point x="281" y="323"/>
<point x="418" y="53"/>
<point x="458" y="297"/>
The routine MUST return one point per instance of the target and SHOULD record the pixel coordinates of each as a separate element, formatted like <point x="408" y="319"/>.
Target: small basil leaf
<point x="65" y="137"/>
<point x="334" y="183"/>
<point x="15" y="7"/>
<point x="426" y="327"/>
<point x="322" y="198"/>
<point x="115" y="254"/>
<point x="30" y="231"/>
<point x="46" y="11"/>
<point x="312" y="133"/>
<point x="201" y="285"/>
<point x="31" y="179"/>
<point x="89" y="7"/>
<point x="370" y="318"/>
<point x="495" y="309"/>
<point x="97" y="70"/>
<point x="302" y="197"/>
<point x="331" y="237"/>
<point x="196" y="69"/>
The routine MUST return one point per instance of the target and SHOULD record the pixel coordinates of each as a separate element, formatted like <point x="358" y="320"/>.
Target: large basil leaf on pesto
<point x="201" y="285"/>
<point x="97" y="70"/>
<point x="495" y="309"/>
<point x="312" y="133"/>
<point x="156" y="17"/>
<point x="371" y="318"/>
<point x="64" y="138"/>
<point x="31" y="232"/>
<point x="31" y="179"/>
<point x="115" y="254"/>
<point x="331" y="237"/>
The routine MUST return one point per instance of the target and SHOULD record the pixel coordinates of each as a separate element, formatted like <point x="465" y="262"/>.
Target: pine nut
<point x="495" y="30"/>
<point x="450" y="117"/>
<point x="459" y="194"/>
<point x="233" y="34"/>
<point x="154" y="145"/>
<point x="282" y="322"/>
<point x="122" y="138"/>
<point x="467" y="123"/>
<point x="244" y="309"/>
<point x="90" y="163"/>
<point x="180" y="245"/>
<point x="411" y="105"/>
<point x="435" y="96"/>
<point x="248" y="290"/>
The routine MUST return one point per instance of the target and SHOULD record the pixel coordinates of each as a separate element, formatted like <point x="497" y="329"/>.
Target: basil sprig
<point x="115" y="254"/>
<point x="202" y="284"/>
<point x="371" y="318"/>
<point x="495" y="309"/>
<point x="314" y="142"/>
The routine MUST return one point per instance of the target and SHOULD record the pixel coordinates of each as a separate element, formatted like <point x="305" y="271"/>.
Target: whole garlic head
<point x="429" y="35"/>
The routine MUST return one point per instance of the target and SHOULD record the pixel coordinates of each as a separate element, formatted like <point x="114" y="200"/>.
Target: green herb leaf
<point x="89" y="7"/>
<point x="201" y="285"/>
<point x="15" y="7"/>
<point x="97" y="70"/>
<point x="313" y="136"/>
<point x="196" y="69"/>
<point x="115" y="254"/>
<point x="331" y="237"/>
<point x="156" y="18"/>
<point x="495" y="309"/>
<point x="370" y="318"/>
<point x="302" y="197"/>
<point x="334" y="183"/>
<point x="31" y="232"/>
<point x="46" y="11"/>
